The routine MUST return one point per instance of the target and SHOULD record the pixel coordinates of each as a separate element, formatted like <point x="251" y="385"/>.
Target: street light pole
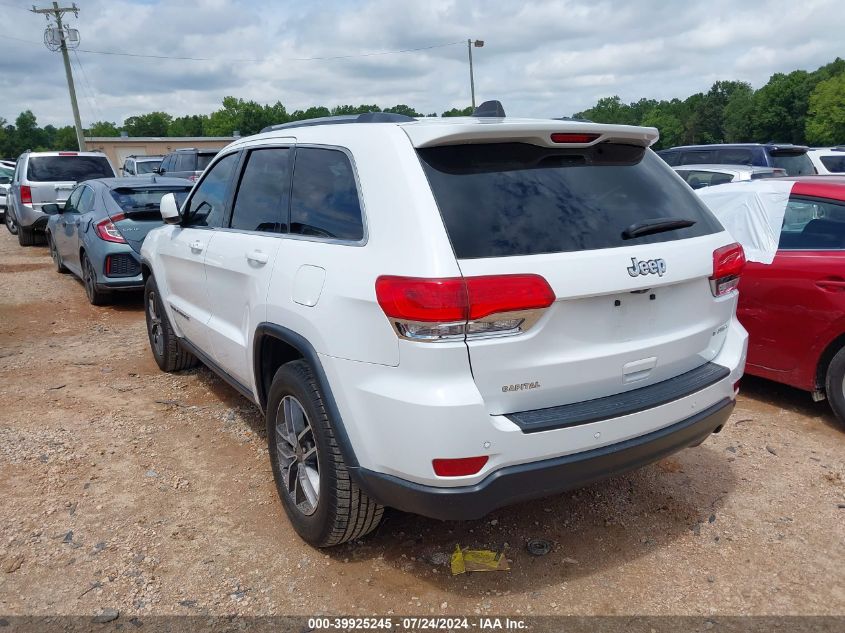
<point x="470" y="44"/>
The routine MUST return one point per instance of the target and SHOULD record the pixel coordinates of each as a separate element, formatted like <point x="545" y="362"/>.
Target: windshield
<point x="68" y="168"/>
<point x="506" y="199"/>
<point x="794" y="164"/>
<point x="147" y="166"/>
<point x="146" y="199"/>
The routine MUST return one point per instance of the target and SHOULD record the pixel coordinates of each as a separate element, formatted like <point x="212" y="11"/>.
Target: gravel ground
<point x="151" y="494"/>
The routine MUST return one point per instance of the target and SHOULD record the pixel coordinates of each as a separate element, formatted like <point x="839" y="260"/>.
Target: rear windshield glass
<point x="147" y="166"/>
<point x="203" y="160"/>
<point x="834" y="163"/>
<point x="68" y="168"/>
<point x="508" y="199"/>
<point x="146" y="199"/>
<point x="794" y="164"/>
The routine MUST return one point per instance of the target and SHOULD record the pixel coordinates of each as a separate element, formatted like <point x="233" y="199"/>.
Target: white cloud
<point x="540" y="58"/>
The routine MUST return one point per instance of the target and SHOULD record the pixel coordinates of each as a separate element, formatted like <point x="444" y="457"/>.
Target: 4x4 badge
<point x="649" y="267"/>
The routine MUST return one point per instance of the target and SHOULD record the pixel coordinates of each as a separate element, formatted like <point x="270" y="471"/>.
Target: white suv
<point x="447" y="316"/>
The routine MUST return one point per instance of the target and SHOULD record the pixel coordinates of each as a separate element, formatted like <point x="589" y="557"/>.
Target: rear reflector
<point x="26" y="194"/>
<point x="454" y="307"/>
<point x="571" y="137"/>
<point x="459" y="467"/>
<point x="728" y="262"/>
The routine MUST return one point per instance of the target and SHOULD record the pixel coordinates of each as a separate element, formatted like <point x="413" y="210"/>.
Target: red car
<point x="794" y="308"/>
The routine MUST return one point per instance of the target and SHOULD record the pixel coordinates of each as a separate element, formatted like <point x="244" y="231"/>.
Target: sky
<point x="543" y="59"/>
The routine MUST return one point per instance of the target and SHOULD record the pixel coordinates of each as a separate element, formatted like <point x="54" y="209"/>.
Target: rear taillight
<point x="460" y="467"/>
<point x="457" y="307"/>
<point x="26" y="194"/>
<point x="106" y="230"/>
<point x="728" y="262"/>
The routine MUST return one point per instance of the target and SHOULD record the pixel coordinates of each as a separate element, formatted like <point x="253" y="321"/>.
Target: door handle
<point x="196" y="245"/>
<point x="258" y="257"/>
<point x="831" y="285"/>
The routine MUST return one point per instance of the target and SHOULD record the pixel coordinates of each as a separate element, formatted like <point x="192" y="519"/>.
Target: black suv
<point x="187" y="163"/>
<point x="791" y="158"/>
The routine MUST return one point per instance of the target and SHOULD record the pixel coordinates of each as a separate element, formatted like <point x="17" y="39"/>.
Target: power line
<point x="92" y="100"/>
<point x="253" y="61"/>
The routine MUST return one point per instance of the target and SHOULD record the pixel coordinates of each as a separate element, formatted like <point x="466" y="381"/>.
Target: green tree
<point x="27" y="134"/>
<point x="103" y="128"/>
<point x="780" y="107"/>
<point x="350" y="109"/>
<point x="246" y="117"/>
<point x="65" y="138"/>
<point x="609" y="110"/>
<point x="403" y="109"/>
<point x="458" y="112"/>
<point x="314" y="112"/>
<point x="189" y="125"/>
<point x="738" y="116"/>
<point x="151" y="124"/>
<point x="826" y="112"/>
<point x="671" y="128"/>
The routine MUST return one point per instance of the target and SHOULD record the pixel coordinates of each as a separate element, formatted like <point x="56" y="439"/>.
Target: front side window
<point x="167" y="163"/>
<point x="68" y="168"/>
<point x="810" y="224"/>
<point x="86" y="200"/>
<point x="263" y="194"/>
<point x="72" y="203"/>
<point x="207" y="204"/>
<point x="324" y="196"/>
<point x="505" y="199"/>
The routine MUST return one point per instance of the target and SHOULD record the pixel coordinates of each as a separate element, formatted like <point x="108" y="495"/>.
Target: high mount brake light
<point x="574" y="137"/>
<point x="457" y="307"/>
<point x="106" y="230"/>
<point x="728" y="262"/>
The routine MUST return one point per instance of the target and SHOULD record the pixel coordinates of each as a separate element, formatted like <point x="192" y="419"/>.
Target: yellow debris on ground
<point x="464" y="560"/>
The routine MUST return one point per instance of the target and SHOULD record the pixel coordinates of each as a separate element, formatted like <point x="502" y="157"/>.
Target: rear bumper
<point x="534" y="480"/>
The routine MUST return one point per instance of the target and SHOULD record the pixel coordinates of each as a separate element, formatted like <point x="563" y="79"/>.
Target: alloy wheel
<point x="296" y="450"/>
<point x="89" y="279"/>
<point x="154" y="325"/>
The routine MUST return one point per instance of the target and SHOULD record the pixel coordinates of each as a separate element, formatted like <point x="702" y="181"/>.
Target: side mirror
<point x="159" y="171"/>
<point x="5" y="180"/>
<point x="51" y="209"/>
<point x="169" y="209"/>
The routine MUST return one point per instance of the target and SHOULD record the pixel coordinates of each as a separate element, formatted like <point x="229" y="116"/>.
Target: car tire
<point x="167" y="351"/>
<point x="96" y="296"/>
<point x="10" y="222"/>
<point x="57" y="258"/>
<point x="323" y="504"/>
<point x="26" y="237"/>
<point x="834" y="385"/>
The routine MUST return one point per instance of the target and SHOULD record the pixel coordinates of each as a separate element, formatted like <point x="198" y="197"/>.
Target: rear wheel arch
<point x="273" y="346"/>
<point x="824" y="359"/>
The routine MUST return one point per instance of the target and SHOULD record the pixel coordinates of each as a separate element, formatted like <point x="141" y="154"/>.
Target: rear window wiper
<point x="655" y="225"/>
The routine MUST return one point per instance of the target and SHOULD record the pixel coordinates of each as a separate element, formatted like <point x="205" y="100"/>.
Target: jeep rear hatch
<point x="627" y="251"/>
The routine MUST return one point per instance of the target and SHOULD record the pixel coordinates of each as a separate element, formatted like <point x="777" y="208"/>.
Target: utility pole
<point x="64" y="34"/>
<point x="470" y="44"/>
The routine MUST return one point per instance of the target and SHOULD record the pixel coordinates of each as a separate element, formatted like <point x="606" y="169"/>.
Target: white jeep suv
<point x="446" y="316"/>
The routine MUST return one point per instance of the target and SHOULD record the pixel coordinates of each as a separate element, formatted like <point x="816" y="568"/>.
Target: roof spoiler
<point x="366" y="117"/>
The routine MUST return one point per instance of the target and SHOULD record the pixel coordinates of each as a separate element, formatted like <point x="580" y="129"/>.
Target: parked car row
<point x="549" y="305"/>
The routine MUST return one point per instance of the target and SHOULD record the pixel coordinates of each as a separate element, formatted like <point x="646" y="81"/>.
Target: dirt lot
<point x="127" y="488"/>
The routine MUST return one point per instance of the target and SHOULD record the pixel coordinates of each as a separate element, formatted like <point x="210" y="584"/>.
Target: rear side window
<point x="697" y="157"/>
<point x="324" y="196"/>
<point x="834" y="163"/>
<point x="813" y="225"/>
<point x="86" y="200"/>
<point x="146" y="166"/>
<point x="670" y="157"/>
<point x="68" y="168"/>
<point x="507" y="199"/>
<point x="263" y="194"/>
<point x="203" y="160"/>
<point x="736" y="156"/>
<point x="186" y="161"/>
<point x="794" y="164"/>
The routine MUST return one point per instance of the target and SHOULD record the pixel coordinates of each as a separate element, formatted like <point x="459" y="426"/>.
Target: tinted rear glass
<point x="834" y="163"/>
<point x="146" y="199"/>
<point x="203" y="160"/>
<point x="68" y="168"/>
<point x="508" y="199"/>
<point x="147" y="166"/>
<point x="794" y="164"/>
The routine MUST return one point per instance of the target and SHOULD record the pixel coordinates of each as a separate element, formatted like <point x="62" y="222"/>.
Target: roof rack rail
<point x="366" y="117"/>
<point x="490" y="109"/>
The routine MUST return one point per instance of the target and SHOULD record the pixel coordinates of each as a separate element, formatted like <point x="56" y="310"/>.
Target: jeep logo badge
<point x="650" y="267"/>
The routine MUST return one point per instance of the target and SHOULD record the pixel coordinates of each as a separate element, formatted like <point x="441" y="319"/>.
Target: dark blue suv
<point x="791" y="158"/>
